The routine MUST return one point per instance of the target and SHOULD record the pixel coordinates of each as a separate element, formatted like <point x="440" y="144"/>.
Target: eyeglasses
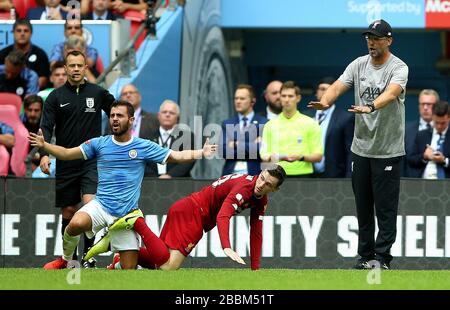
<point x="374" y="38"/>
<point x="128" y="93"/>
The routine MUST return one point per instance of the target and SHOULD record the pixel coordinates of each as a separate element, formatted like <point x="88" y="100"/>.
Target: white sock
<point x="69" y="245"/>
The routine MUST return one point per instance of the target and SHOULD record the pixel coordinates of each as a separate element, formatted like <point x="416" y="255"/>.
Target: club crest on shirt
<point x="299" y="139"/>
<point x="132" y="154"/>
<point x="189" y="247"/>
<point x="90" y="105"/>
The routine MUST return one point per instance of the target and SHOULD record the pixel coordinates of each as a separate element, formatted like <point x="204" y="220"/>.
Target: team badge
<point x="90" y="102"/>
<point x="132" y="154"/>
<point x="19" y="91"/>
<point x="299" y="139"/>
<point x="189" y="247"/>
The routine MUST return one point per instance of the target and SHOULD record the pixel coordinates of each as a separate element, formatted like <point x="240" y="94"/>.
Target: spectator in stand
<point x="242" y="134"/>
<point x="427" y="99"/>
<point x="145" y="123"/>
<point x="77" y="43"/>
<point x="5" y="6"/>
<point x="100" y="11"/>
<point x="73" y="27"/>
<point x="293" y="140"/>
<point x="6" y="143"/>
<point x="58" y="78"/>
<point x="16" y="78"/>
<point x="31" y="119"/>
<point x="134" y="5"/>
<point x="53" y="10"/>
<point x="431" y="150"/>
<point x="170" y="136"/>
<point x="36" y="58"/>
<point x="273" y="100"/>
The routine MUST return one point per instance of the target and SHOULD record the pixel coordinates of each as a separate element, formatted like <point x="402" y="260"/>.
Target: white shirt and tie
<point x="137" y="122"/>
<point x="432" y="169"/>
<point x="323" y="117"/>
<point x="244" y="121"/>
<point x="164" y="140"/>
<point x="46" y="14"/>
<point x="100" y="17"/>
<point x="424" y="125"/>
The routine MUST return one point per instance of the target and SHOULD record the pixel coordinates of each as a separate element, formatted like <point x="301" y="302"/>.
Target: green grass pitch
<point x="223" y="279"/>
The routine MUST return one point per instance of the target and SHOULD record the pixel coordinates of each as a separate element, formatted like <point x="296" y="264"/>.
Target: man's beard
<point x="275" y="108"/>
<point x="121" y="130"/>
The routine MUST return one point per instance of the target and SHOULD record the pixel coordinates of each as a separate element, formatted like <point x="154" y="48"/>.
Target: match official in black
<point x="75" y="111"/>
<point x="379" y="80"/>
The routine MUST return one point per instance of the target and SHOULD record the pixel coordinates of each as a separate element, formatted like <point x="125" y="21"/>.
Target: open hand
<point x="318" y="105"/>
<point x="209" y="149"/>
<point x="233" y="255"/>
<point x="36" y="139"/>
<point x="360" y="109"/>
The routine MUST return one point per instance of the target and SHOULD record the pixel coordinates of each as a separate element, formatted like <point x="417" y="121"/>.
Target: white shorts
<point x="121" y="240"/>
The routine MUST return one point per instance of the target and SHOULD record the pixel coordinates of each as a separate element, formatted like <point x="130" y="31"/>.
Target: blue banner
<point x="321" y="13"/>
<point x="47" y="34"/>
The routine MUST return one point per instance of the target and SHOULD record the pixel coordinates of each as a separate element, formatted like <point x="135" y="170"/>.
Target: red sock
<point x="145" y="260"/>
<point x="157" y="251"/>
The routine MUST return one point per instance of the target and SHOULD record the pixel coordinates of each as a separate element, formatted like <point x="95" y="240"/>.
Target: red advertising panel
<point x="437" y="14"/>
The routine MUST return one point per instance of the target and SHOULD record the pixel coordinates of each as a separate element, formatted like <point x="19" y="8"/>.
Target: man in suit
<point x="337" y="135"/>
<point x="427" y="99"/>
<point x="431" y="151"/>
<point x="100" y="11"/>
<point x="145" y="123"/>
<point x="272" y="98"/>
<point x="241" y="135"/>
<point x="169" y="135"/>
<point x="51" y="11"/>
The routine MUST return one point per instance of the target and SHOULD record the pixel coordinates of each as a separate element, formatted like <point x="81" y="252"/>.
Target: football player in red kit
<point x="202" y="211"/>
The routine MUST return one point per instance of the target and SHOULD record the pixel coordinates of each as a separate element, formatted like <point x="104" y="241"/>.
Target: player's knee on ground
<point x="128" y="259"/>
<point x="174" y="262"/>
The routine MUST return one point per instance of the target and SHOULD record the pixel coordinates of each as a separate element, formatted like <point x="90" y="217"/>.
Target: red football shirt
<point x="228" y="196"/>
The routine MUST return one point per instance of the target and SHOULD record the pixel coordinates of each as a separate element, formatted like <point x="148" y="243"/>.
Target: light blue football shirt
<point x="121" y="167"/>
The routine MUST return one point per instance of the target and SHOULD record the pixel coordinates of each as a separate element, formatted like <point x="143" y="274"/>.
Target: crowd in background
<point x="313" y="145"/>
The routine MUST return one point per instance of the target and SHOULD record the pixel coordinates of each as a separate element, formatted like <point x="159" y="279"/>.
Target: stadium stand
<point x="136" y="19"/>
<point x="10" y="116"/>
<point x="11" y="99"/>
<point x="22" y="6"/>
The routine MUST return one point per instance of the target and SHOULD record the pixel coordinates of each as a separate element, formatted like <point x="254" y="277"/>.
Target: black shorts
<point x="70" y="188"/>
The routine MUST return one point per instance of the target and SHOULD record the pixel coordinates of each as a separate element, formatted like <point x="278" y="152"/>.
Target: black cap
<point x="379" y="28"/>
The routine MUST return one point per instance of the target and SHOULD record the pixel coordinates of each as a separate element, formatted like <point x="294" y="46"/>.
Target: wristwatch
<point x="302" y="158"/>
<point x="371" y="106"/>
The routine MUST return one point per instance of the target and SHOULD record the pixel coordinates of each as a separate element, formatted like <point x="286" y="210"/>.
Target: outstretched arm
<point x="59" y="152"/>
<point x="191" y="155"/>
<point x="330" y="96"/>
